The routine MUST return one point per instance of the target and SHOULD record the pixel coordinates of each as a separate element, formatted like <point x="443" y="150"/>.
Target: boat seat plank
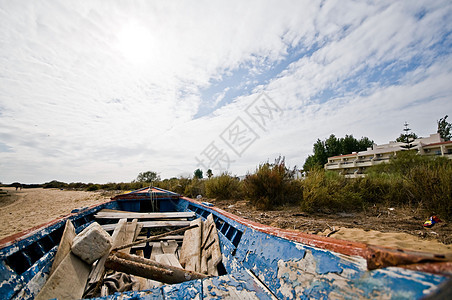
<point x="107" y="214"/>
<point x="152" y="224"/>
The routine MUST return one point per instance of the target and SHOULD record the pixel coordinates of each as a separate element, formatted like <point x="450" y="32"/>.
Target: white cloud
<point x="100" y="91"/>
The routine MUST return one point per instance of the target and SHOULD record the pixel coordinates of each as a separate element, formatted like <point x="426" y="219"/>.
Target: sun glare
<point x="136" y="43"/>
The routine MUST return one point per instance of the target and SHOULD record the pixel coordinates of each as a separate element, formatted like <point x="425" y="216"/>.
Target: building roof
<point x="440" y="143"/>
<point x="344" y="155"/>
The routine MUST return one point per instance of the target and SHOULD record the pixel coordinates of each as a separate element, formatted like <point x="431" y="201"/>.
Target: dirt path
<point x="26" y="208"/>
<point x="398" y="228"/>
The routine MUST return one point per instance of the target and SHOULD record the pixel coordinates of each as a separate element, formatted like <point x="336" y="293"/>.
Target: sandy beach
<point x="26" y="208"/>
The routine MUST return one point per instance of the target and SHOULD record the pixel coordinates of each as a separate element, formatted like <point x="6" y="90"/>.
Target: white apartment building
<point x="353" y="165"/>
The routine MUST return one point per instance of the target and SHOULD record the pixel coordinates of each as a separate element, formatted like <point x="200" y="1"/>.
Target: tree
<point x="148" y="176"/>
<point x="333" y="146"/>
<point x="209" y="173"/>
<point x="349" y="144"/>
<point x="364" y="143"/>
<point x="407" y="137"/>
<point x="444" y="129"/>
<point x="198" y="173"/>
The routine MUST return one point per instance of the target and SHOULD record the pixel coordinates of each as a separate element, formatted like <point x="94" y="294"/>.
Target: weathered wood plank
<point x="210" y="252"/>
<point x="190" y="255"/>
<point x="169" y="247"/>
<point x="129" y="235"/>
<point x="138" y="231"/>
<point x="64" y="248"/>
<point x="67" y="281"/>
<point x="168" y="259"/>
<point x="152" y="224"/>
<point x="156" y="249"/>
<point x="134" y="215"/>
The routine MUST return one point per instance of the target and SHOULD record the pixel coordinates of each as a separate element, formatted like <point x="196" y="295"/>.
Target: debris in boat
<point x="119" y="282"/>
<point x="148" y="268"/>
<point x="156" y="237"/>
<point x="168" y="259"/>
<point x="432" y="221"/>
<point x="92" y="243"/>
<point x="210" y="248"/>
<point x="114" y="269"/>
<point x="65" y="245"/>
<point x="68" y="274"/>
<point x="190" y="256"/>
<point x="98" y="271"/>
<point x="67" y="281"/>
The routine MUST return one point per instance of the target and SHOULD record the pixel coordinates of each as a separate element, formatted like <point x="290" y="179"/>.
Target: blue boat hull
<point x="259" y="261"/>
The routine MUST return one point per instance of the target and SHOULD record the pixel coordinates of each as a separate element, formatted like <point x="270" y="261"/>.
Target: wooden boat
<point x="258" y="261"/>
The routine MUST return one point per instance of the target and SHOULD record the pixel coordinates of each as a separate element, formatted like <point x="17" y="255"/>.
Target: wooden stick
<point x="149" y="268"/>
<point x="155" y="237"/>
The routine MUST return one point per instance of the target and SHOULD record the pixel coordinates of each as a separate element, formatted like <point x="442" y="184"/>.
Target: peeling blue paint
<point x="185" y="290"/>
<point x="327" y="262"/>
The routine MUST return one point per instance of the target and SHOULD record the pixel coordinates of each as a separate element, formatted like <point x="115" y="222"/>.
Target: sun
<point x="136" y="43"/>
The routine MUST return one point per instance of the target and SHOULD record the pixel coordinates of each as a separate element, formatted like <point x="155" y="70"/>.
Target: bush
<point x="329" y="191"/>
<point x="431" y="187"/>
<point x="92" y="187"/>
<point x="272" y="185"/>
<point x="223" y="187"/>
<point x="382" y="188"/>
<point x="194" y="188"/>
<point x="54" y="184"/>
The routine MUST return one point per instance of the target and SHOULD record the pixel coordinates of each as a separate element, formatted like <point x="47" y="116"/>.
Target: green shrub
<point x="54" y="184"/>
<point x="431" y="187"/>
<point x="382" y="188"/>
<point x="272" y="185"/>
<point x="194" y="188"/>
<point x="329" y="191"/>
<point x="224" y="186"/>
<point x="417" y="181"/>
<point x="92" y="187"/>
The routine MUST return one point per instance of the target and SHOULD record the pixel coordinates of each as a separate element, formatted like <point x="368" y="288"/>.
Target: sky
<point x="99" y="91"/>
